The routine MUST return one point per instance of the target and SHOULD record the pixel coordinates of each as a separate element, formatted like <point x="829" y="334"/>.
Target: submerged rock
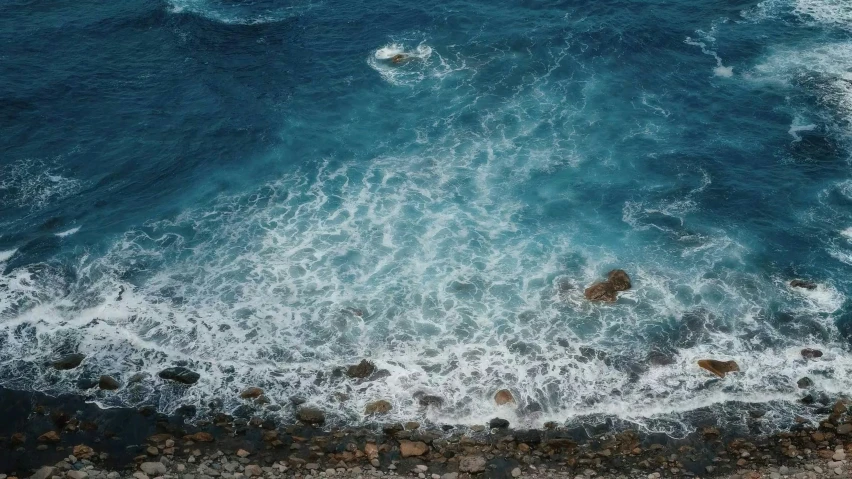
<point x="498" y="423"/>
<point x="430" y="400"/>
<point x="49" y="436"/>
<point x="660" y="358"/>
<point x="251" y="393"/>
<point x="199" y="437"/>
<point x="138" y="378"/>
<point x="378" y="407"/>
<point x="472" y="464"/>
<point x="603" y="291"/>
<point x="804" y="284"/>
<point x="69" y="361"/>
<point x="619" y="280"/>
<point x="809" y="353"/>
<point x="310" y="415"/>
<point x="361" y="370"/>
<point x="719" y="368"/>
<point x="180" y="374"/>
<point x="503" y="396"/>
<point x="108" y="383"/>
<point x="412" y="448"/>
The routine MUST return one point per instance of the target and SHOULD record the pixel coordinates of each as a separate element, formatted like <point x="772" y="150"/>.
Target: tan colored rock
<point x="82" y="451"/>
<point x="371" y="450"/>
<point x="378" y="407"/>
<point x="243" y="453"/>
<point x="603" y="291"/>
<point x="49" y="436"/>
<point x="199" y="437"/>
<point x="719" y="368"/>
<point x="503" y="396"/>
<point x="411" y="448"/>
<point x="251" y="393"/>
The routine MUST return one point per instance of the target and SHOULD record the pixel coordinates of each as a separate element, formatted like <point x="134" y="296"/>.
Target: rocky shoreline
<point x="48" y="437"/>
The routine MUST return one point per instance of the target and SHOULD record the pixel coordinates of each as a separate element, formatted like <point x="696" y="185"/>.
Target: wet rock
<point x="503" y="396"/>
<point x="69" y="361"/>
<point x="844" y="429"/>
<point x="378" y="407"/>
<point x="298" y="400"/>
<point x="82" y="451"/>
<point x="108" y="383"/>
<point x="199" y="437"/>
<point x="412" y="448"/>
<point x="660" y="358"/>
<point x="804" y="383"/>
<point x="153" y="468"/>
<point x="804" y="284"/>
<point x="180" y="374"/>
<point x="431" y="401"/>
<point x="619" y="280"/>
<point x="603" y="291"/>
<point x="138" y="378"/>
<point x="309" y="415"/>
<point x="251" y="393"/>
<point x="809" y="353"/>
<point x="361" y="370"/>
<point x="498" y="423"/>
<point x="45" y="472"/>
<point x="49" y="436"/>
<point x="472" y="464"/>
<point x="76" y="475"/>
<point x="253" y="470"/>
<point x="719" y="368"/>
<point x="17" y="439"/>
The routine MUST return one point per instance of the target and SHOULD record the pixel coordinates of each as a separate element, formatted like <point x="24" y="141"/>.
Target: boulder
<point x="804" y="284"/>
<point x="180" y="374"/>
<point x="809" y="353"/>
<point x="77" y="474"/>
<point x="412" y="448"/>
<point x="310" y="415"/>
<point x="253" y="470"/>
<point x="498" y="423"/>
<point x="503" y="396"/>
<point x="82" y="451"/>
<point x="138" y="378"/>
<point x="719" y="368"/>
<point x="251" y="393"/>
<point x="45" y="472"/>
<point x="49" y="436"/>
<point x="601" y="292"/>
<point x="472" y="464"/>
<point x="660" y="358"/>
<point x="804" y="383"/>
<point x="361" y="370"/>
<point x="378" y="407"/>
<point x="199" y="437"/>
<point x="618" y="279"/>
<point x="844" y="429"/>
<point x="433" y="401"/>
<point x="69" y="361"/>
<point x="153" y="468"/>
<point x="108" y="383"/>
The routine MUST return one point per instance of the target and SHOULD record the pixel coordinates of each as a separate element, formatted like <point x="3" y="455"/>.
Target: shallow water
<point x="254" y="189"/>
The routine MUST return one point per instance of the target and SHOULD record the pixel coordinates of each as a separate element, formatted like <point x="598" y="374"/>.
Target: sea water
<point x="264" y="191"/>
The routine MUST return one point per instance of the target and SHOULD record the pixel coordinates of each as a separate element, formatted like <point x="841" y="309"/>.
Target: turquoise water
<point x="256" y="191"/>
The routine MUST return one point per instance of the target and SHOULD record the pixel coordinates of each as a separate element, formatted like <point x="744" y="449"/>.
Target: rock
<point x="378" y="407"/>
<point x="719" y="368"/>
<point x="138" y="378"/>
<point x="251" y="393"/>
<point x="140" y="475"/>
<point x="804" y="284"/>
<point x="108" y="383"/>
<point x="69" y="361"/>
<point x="81" y="451"/>
<point x="45" y="472"/>
<point x="516" y="472"/>
<point x="17" y="439"/>
<point x="76" y="475"/>
<point x="431" y="401"/>
<point x="152" y="451"/>
<point x="809" y="353"/>
<point x="618" y="279"/>
<point x="804" y="383"/>
<point x="253" y="470"/>
<point x="472" y="464"/>
<point x="412" y="448"/>
<point x="49" y="436"/>
<point x="200" y="436"/>
<point x="371" y="450"/>
<point x="503" y="396"/>
<point x="844" y="429"/>
<point x="153" y="468"/>
<point x="660" y="358"/>
<point x="450" y="475"/>
<point x="243" y="453"/>
<point x="361" y="370"/>
<point x="180" y="374"/>
<point x="839" y="455"/>
<point x="310" y="415"/>
<point x="498" y="423"/>
<point x="411" y="425"/>
<point x="603" y="291"/>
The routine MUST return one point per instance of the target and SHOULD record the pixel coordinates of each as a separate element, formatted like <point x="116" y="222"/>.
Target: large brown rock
<point x="310" y="415"/>
<point x="199" y="437"/>
<point x="603" y="291"/>
<point x="108" y="383"/>
<point x="719" y="368"/>
<point x="412" y="448"/>
<point x="378" y="407"/>
<point x="472" y="464"/>
<point x="82" y="451"/>
<point x="251" y="393"/>
<point x="49" y="436"/>
<point x="69" y="361"/>
<point x="361" y="370"/>
<point x="802" y="283"/>
<point x="503" y="396"/>
<point x="619" y="280"/>
<point x="809" y="353"/>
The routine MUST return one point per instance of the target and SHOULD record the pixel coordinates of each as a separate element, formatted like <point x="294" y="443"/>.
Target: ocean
<point x="264" y="192"/>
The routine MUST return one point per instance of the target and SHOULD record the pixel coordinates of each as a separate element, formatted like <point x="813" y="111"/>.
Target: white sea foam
<point x="847" y="233"/>
<point x="796" y="126"/>
<point x="826" y="12"/>
<point x="5" y="255"/>
<point x="246" y="13"/>
<point x="68" y="232"/>
<point x="33" y="184"/>
<point x="415" y="65"/>
<point x="705" y="42"/>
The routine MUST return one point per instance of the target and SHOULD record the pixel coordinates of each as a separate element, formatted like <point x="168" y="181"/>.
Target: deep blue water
<point x="255" y="190"/>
